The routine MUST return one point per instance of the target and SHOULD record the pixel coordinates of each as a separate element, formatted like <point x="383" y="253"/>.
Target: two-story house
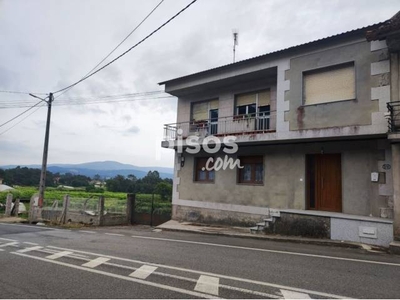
<point x="311" y="127"/>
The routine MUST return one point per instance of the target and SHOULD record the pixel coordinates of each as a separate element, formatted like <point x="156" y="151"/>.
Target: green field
<point x="114" y="202"/>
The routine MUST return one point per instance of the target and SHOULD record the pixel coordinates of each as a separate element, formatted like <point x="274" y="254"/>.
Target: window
<point x="329" y="84"/>
<point x="252" y="103"/>
<point x="252" y="171"/>
<point x="202" y="174"/>
<point x="201" y="110"/>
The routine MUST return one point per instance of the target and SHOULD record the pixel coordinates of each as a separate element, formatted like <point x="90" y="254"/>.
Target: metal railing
<point x="232" y="125"/>
<point x="394" y="116"/>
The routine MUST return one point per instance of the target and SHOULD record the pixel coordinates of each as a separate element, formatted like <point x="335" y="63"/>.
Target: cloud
<point x="49" y="53"/>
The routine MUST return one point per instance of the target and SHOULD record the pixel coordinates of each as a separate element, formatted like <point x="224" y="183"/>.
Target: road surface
<point x="139" y="262"/>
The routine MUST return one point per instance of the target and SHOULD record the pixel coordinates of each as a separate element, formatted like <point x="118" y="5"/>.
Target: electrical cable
<point x="25" y="111"/>
<point x="130" y="49"/>
<point x="112" y="51"/>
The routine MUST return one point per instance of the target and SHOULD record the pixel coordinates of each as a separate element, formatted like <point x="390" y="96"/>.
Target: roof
<point x="387" y="27"/>
<point x="4" y="187"/>
<point x="282" y="51"/>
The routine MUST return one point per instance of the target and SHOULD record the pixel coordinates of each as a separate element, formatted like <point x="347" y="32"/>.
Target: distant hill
<point x="103" y="168"/>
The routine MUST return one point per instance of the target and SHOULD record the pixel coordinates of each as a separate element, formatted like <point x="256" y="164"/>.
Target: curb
<point x="274" y="238"/>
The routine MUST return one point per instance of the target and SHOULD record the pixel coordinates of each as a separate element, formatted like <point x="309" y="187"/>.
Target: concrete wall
<point x="284" y="179"/>
<point x="334" y="114"/>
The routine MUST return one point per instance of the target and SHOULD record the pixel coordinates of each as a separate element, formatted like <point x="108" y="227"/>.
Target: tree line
<point x="149" y="184"/>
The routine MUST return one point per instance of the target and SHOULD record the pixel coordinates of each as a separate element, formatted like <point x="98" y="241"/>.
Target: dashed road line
<point x="143" y="272"/>
<point x="207" y="284"/>
<point x="9" y="244"/>
<point x="115" y="234"/>
<point x="59" y="254"/>
<point x="127" y="278"/>
<point x="87" y="231"/>
<point x="262" y="283"/>
<point x="294" y="295"/>
<point x="272" y="251"/>
<point x="4" y="239"/>
<point x="29" y="249"/>
<point x="1" y="249"/>
<point x="96" y="262"/>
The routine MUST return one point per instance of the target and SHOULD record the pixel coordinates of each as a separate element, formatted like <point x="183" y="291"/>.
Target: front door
<point x="324" y="182"/>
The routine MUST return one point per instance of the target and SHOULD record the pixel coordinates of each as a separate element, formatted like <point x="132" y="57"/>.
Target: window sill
<point x="331" y="102"/>
<point x="251" y="184"/>
<point x="203" y="182"/>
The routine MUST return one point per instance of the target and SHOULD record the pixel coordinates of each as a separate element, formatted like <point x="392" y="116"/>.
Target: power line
<point x="25" y="111"/>
<point x="18" y="92"/>
<point x="23" y="119"/>
<point x="93" y="101"/>
<point x="124" y="53"/>
<point x="112" y="51"/>
<point x="85" y="99"/>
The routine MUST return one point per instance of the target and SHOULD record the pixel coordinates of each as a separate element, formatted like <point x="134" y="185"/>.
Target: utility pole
<point x="36" y="213"/>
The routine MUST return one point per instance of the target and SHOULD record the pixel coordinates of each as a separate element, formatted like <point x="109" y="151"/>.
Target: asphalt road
<point x="137" y="262"/>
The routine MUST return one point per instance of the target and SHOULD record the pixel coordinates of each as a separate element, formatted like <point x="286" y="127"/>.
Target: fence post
<point x="130" y="207"/>
<point x="152" y="209"/>
<point x="64" y="213"/>
<point x="16" y="208"/>
<point x="101" y="210"/>
<point x="8" y="205"/>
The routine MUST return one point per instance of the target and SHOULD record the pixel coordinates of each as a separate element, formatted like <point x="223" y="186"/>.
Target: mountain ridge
<point x="103" y="168"/>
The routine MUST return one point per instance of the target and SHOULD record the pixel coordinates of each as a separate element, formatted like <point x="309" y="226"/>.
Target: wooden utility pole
<point x="42" y="184"/>
<point x="36" y="213"/>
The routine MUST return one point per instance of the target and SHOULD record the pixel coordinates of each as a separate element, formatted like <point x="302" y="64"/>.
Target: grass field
<point x="114" y="202"/>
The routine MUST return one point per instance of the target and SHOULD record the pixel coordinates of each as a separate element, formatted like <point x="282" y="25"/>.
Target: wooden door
<point x="324" y="182"/>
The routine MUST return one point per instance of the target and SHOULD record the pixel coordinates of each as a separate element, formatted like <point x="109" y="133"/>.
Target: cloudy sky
<point x="46" y="45"/>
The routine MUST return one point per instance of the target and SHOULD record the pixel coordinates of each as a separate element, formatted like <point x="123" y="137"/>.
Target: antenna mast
<point x="235" y="42"/>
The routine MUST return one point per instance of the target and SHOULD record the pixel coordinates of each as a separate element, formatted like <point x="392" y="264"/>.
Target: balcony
<point x="234" y="125"/>
<point x="394" y="117"/>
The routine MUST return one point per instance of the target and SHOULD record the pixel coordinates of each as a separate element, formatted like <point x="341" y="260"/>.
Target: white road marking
<point x="144" y="282"/>
<point x="143" y="272"/>
<point x="76" y="256"/>
<point x="32" y="226"/>
<point x="96" y="262"/>
<point x="29" y="243"/>
<point x="210" y="274"/>
<point x="59" y="254"/>
<point x="115" y="234"/>
<point x="272" y="251"/>
<point x="207" y="284"/>
<point x="8" y="240"/>
<point x="87" y="231"/>
<point x="29" y="249"/>
<point x="9" y="244"/>
<point x="294" y="295"/>
<point x="1" y="249"/>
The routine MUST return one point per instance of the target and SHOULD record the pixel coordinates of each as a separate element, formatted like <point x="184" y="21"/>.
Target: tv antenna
<point x="235" y="42"/>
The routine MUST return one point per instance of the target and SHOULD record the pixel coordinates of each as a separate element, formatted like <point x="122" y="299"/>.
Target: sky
<point x="45" y="45"/>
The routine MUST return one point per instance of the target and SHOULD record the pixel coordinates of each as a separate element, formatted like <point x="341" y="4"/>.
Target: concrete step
<point x="255" y="229"/>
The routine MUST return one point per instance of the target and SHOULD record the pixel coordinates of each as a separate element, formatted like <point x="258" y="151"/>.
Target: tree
<point x="164" y="189"/>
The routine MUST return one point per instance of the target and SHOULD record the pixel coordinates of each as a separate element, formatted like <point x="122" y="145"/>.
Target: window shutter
<point x="245" y="99"/>
<point x="200" y="111"/>
<point x="333" y="84"/>
<point x="214" y="104"/>
<point x="264" y="98"/>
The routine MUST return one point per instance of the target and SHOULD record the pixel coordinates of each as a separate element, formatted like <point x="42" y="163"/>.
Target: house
<point x="315" y="129"/>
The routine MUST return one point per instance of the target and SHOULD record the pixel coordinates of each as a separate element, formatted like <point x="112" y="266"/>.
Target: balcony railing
<point x="394" y="116"/>
<point x="233" y="125"/>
